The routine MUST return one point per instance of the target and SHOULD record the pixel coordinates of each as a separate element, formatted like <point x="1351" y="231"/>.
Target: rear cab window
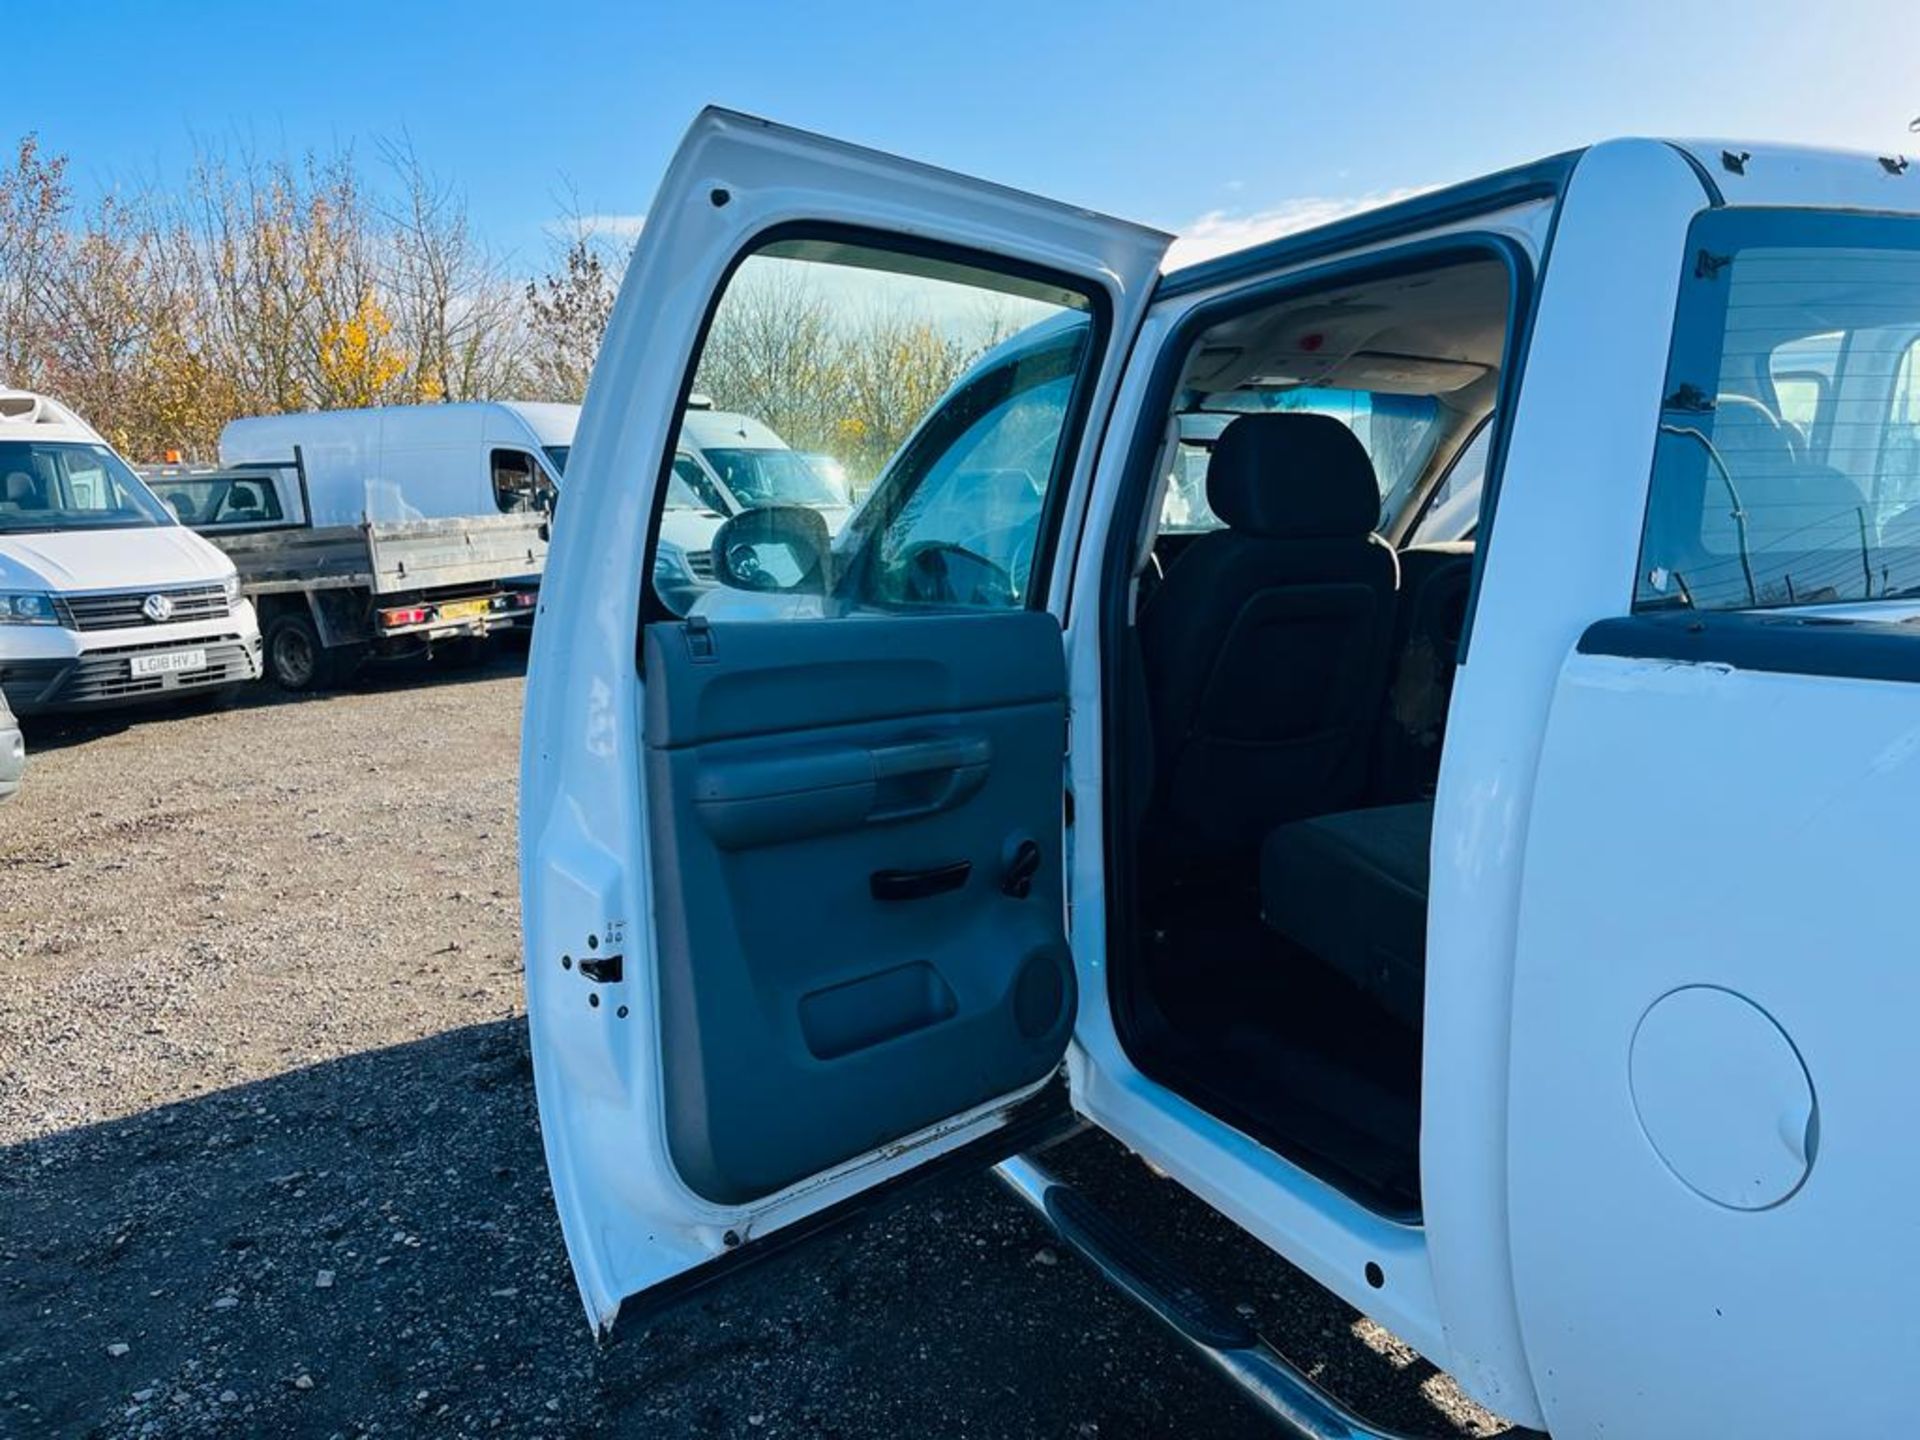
<point x="1787" y="468"/>
<point x="1399" y="433"/>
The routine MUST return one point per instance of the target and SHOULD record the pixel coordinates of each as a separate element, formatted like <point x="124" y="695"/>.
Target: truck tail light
<point x="406" y="615"/>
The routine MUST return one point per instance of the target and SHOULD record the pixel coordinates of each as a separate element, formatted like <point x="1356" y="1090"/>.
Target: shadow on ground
<point x="367" y="1246"/>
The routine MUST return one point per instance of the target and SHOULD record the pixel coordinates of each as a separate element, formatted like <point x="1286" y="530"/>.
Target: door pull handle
<point x="918" y="884"/>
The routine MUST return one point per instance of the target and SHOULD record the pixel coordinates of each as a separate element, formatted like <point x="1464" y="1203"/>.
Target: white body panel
<point x="1687" y="833"/>
<point x="75" y="561"/>
<point x="1594" y="370"/>
<point x="629" y="1221"/>
<point x="401" y="462"/>
<point x="13" y="752"/>
<point x="1799" y="176"/>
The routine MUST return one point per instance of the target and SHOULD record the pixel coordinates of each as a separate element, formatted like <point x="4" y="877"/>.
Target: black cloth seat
<point x="1351" y="890"/>
<point x="1265" y="649"/>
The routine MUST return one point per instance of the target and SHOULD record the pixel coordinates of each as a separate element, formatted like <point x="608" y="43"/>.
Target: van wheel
<point x="296" y="659"/>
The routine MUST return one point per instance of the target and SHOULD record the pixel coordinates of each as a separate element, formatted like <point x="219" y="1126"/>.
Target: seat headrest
<point x="1750" y="438"/>
<point x="1293" y="476"/>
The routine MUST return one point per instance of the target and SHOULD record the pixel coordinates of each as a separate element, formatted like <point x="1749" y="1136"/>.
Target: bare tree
<point x="773" y="353"/>
<point x="454" y="311"/>
<point x="34" y="201"/>
<point x="269" y="284"/>
<point x="566" y="315"/>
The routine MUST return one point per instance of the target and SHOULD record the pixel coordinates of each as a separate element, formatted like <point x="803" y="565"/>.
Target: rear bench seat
<point x="1351" y="889"/>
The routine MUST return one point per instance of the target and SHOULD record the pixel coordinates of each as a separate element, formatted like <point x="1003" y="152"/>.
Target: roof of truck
<point x="25" y="415"/>
<point x="550" y="422"/>
<point x="1731" y="172"/>
<point x="727" y="430"/>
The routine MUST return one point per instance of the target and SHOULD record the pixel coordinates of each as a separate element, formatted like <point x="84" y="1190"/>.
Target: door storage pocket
<point x="844" y="1018"/>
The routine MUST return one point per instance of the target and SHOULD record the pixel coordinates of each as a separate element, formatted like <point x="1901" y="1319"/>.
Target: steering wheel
<point x="746" y="571"/>
<point x="938" y="572"/>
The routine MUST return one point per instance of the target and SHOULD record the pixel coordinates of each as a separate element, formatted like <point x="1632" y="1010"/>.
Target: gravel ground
<point x="269" y="1161"/>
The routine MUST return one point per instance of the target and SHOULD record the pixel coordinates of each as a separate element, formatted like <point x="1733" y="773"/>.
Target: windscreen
<point x="71" y="485"/>
<point x="760" y="477"/>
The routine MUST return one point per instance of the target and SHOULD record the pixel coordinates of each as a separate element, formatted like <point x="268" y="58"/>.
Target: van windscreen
<point x="762" y="477"/>
<point x="70" y="485"/>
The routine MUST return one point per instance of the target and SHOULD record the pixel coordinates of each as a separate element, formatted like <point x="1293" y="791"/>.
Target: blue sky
<point x="1227" y="124"/>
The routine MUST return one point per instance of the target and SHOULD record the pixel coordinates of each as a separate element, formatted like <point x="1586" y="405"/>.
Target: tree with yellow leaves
<point x="358" y="364"/>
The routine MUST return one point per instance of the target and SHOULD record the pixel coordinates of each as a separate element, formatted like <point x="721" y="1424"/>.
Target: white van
<point x="105" y="597"/>
<point x="414" y="462"/>
<point x="724" y="463"/>
<point x="746" y="463"/>
<point x="1500" y="909"/>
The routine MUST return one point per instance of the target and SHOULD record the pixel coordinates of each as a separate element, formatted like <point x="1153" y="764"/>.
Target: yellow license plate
<point x="465" y="609"/>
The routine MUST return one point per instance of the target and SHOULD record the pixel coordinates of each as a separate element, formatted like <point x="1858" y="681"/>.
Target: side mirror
<point x="774" y="548"/>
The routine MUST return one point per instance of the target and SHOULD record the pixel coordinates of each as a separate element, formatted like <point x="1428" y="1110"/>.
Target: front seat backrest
<point x="20" y="491"/>
<point x="1266" y="647"/>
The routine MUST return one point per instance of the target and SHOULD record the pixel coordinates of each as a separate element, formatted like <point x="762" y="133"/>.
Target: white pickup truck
<point x="1459" y="845"/>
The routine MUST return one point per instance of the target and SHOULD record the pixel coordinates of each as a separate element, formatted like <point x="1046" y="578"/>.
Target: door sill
<point x="1042" y="1119"/>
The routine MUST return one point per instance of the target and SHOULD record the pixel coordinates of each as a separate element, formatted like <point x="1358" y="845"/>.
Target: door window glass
<point x="1184" y="510"/>
<point x="1898" y="474"/>
<point x="939" y="391"/>
<point x="1784" y="471"/>
<point x="518" y="482"/>
<point x="1802" y="373"/>
<point x="1453" y="512"/>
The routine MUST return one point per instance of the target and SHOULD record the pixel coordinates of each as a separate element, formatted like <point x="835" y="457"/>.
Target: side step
<point x="1213" y="1329"/>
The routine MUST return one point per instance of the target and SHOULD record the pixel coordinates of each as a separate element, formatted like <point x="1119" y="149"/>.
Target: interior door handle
<point x="918" y="884"/>
<point x="926" y="774"/>
<point x="930" y="752"/>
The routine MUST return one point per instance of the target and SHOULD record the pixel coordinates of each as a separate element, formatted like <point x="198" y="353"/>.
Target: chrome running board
<point x="1214" y="1330"/>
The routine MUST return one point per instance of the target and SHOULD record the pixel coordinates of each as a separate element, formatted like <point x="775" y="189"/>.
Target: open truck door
<point x="792" y="871"/>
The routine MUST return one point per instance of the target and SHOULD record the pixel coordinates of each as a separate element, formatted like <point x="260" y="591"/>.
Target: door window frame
<point x="1139" y="488"/>
<point x="1074" y="424"/>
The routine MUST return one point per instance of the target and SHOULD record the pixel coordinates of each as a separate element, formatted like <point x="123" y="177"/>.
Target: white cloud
<point x="1219" y="231"/>
<point x="598" y="227"/>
